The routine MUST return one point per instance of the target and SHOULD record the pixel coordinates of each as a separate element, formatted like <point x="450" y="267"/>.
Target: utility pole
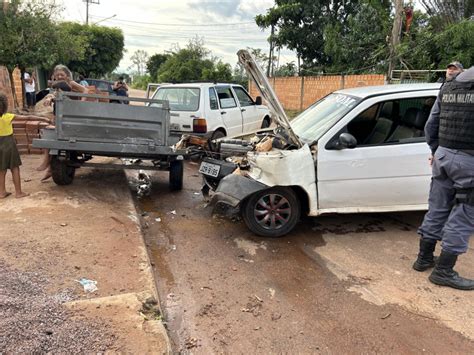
<point x="87" y="8"/>
<point x="396" y="31"/>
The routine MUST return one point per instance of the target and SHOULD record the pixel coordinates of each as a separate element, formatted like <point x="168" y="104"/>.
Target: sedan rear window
<point x="179" y="98"/>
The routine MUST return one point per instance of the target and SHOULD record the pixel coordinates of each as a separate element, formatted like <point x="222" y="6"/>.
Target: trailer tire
<point x="176" y="175"/>
<point x="62" y="173"/>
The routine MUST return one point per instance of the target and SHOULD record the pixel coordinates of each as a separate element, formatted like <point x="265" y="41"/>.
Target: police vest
<point x="456" y="122"/>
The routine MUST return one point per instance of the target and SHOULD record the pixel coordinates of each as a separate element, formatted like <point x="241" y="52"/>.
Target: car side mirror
<point x="258" y="100"/>
<point x="346" y="140"/>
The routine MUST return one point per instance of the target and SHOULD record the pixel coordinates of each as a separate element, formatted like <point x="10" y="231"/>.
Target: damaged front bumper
<point x="234" y="188"/>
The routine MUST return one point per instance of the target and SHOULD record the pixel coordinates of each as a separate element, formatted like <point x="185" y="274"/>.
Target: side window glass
<point x="213" y="99"/>
<point x="244" y="98"/>
<point x="362" y="125"/>
<point x="226" y="99"/>
<point x="411" y="121"/>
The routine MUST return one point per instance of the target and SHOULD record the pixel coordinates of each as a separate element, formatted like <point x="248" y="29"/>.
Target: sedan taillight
<point x="199" y="125"/>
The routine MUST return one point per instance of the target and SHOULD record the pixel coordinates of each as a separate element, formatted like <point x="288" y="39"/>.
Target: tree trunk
<point x="396" y="30"/>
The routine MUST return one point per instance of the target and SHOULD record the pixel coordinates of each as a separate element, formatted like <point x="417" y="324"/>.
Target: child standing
<point x="9" y="156"/>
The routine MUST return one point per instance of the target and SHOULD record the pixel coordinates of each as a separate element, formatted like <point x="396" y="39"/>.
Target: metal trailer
<point x="90" y="128"/>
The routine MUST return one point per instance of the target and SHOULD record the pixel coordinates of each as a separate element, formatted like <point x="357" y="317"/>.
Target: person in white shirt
<point x="30" y="89"/>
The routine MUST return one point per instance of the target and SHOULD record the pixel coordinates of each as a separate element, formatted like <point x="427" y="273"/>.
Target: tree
<point x="187" y="64"/>
<point x="428" y="49"/>
<point x="30" y="38"/>
<point x="300" y="25"/>
<point x="103" y="49"/>
<point x="154" y="63"/>
<point x="140" y="60"/>
<point x="288" y="69"/>
<point x="361" y="44"/>
<point x="220" y="72"/>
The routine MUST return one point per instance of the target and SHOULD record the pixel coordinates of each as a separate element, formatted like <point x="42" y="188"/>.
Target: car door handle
<point x="243" y="110"/>
<point x="223" y="112"/>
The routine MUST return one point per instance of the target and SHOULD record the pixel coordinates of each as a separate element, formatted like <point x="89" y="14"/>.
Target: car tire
<point x="61" y="172"/>
<point x="272" y="212"/>
<point x="176" y="175"/>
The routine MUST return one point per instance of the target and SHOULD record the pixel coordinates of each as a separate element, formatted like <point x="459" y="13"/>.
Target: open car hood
<point x="260" y="80"/>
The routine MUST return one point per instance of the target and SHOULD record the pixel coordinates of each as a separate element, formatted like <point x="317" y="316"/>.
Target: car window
<point x="213" y="99"/>
<point x="396" y="121"/>
<point x="226" y="98"/>
<point x="312" y="123"/>
<point x="243" y="97"/>
<point x="179" y="98"/>
<point x="103" y="86"/>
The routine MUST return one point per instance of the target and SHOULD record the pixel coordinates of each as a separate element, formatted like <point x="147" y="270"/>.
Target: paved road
<point x="339" y="283"/>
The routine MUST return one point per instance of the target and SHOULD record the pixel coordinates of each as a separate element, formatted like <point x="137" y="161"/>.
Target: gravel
<point x="32" y="321"/>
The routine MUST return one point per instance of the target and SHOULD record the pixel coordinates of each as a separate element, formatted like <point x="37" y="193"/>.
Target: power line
<point x="184" y="25"/>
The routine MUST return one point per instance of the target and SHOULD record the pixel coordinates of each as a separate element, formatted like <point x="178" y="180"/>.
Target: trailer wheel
<point x="176" y="175"/>
<point x="62" y="173"/>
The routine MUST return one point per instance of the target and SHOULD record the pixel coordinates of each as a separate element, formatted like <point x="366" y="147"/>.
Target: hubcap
<point x="272" y="211"/>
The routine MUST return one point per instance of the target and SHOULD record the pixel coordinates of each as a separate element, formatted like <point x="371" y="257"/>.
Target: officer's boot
<point x="425" y="259"/>
<point x="444" y="275"/>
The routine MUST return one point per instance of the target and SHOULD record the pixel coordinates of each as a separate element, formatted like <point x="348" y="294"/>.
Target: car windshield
<point x="312" y="123"/>
<point x="179" y="98"/>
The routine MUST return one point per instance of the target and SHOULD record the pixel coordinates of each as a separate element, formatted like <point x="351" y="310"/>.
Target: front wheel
<point x="273" y="212"/>
<point x="62" y="173"/>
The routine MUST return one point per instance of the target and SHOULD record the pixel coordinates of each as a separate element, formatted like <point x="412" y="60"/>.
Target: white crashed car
<point x="355" y="150"/>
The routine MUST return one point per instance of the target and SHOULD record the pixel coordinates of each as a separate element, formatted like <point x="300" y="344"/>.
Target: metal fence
<point x="416" y="76"/>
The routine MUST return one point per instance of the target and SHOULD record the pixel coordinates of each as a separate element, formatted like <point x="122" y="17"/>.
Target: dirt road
<point x="338" y="284"/>
<point x="55" y="237"/>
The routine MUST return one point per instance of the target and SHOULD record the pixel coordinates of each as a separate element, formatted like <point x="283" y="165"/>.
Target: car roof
<point x="102" y="80"/>
<point x="200" y="85"/>
<point x="366" y="91"/>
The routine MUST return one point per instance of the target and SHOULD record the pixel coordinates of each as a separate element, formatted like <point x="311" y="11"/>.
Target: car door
<point x="230" y="111"/>
<point x="390" y="173"/>
<point x="251" y="115"/>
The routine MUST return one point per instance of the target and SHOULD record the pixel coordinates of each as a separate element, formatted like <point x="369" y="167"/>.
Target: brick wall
<point x="5" y="86"/>
<point x="18" y="86"/>
<point x="298" y="93"/>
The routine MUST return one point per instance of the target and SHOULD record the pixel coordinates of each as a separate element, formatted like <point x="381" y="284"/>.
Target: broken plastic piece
<point x="89" y="285"/>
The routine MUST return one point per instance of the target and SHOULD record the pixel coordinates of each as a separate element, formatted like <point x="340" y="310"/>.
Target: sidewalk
<point x="58" y="235"/>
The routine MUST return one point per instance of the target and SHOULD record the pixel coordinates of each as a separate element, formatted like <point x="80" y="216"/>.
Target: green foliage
<point x="360" y="44"/>
<point x="30" y="38"/>
<point x="288" y="69"/>
<point x="103" y="48"/>
<point x="300" y="25"/>
<point x="193" y="63"/>
<point x="141" y="81"/>
<point x="427" y="49"/>
<point x="154" y="63"/>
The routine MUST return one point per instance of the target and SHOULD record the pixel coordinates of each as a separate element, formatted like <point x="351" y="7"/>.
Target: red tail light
<point x="199" y="125"/>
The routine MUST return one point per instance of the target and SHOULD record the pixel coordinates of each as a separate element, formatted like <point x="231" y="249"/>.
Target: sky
<point x="156" y="26"/>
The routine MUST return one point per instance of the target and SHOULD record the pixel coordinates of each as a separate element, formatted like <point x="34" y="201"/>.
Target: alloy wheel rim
<point x="272" y="211"/>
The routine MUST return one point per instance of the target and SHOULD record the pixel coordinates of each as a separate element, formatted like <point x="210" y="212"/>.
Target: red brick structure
<point x="24" y="131"/>
<point x="298" y="93"/>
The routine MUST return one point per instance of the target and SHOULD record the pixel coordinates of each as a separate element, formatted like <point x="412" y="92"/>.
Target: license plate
<point x="209" y="169"/>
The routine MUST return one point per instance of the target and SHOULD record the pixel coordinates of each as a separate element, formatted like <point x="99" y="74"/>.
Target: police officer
<point x="450" y="218"/>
